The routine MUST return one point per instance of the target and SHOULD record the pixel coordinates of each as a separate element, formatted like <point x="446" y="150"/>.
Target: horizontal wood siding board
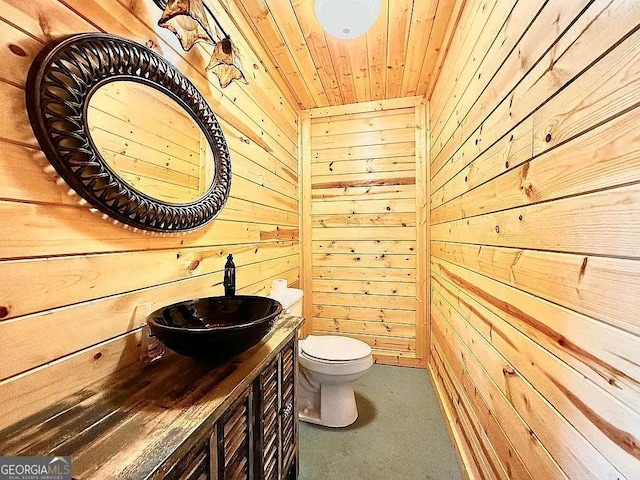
<point x="382" y="192"/>
<point x="373" y="274"/>
<point x="364" y="221"/>
<point x="27" y="394"/>
<point x="588" y="350"/>
<point x="402" y="149"/>
<point x="364" y="233"/>
<point x="562" y="438"/>
<point x="367" y="288"/>
<point x="359" y="207"/>
<point x="364" y="300"/>
<point x="372" y="165"/>
<point x="127" y="310"/>
<point x="85" y="322"/>
<point x="533" y="229"/>
<point x="577" y="224"/>
<point x="372" y="328"/>
<point x="369" y="108"/>
<point x="400" y="247"/>
<point x="382" y="219"/>
<point x="74" y="279"/>
<point x="604" y="288"/>
<point x="362" y="139"/>
<point x="397" y="345"/>
<point x="342" y="313"/>
<point x="365" y="183"/>
<point x="363" y="122"/>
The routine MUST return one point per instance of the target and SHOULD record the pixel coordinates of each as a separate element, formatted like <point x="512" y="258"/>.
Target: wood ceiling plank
<point x="342" y="64"/>
<point x="441" y="22"/>
<point x="422" y="22"/>
<point x="400" y="55"/>
<point x="318" y="48"/>
<point x="264" y="63"/>
<point x="360" y="67"/>
<point x="286" y="21"/>
<point x="267" y="30"/>
<point x="397" y="39"/>
<point x="377" y="52"/>
<point x="456" y="43"/>
<point x="443" y="48"/>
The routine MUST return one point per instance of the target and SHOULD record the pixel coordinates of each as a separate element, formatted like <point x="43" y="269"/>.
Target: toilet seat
<point x="334" y="348"/>
<point x="346" y="356"/>
<point x="335" y="368"/>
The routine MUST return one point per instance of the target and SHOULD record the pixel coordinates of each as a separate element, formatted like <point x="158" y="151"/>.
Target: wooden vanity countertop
<point x="128" y="425"/>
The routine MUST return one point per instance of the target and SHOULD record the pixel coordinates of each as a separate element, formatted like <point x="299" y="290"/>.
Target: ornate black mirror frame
<point x="61" y="81"/>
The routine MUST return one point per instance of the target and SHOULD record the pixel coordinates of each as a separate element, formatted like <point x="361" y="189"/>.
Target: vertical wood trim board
<point x="534" y="158"/>
<point x="77" y="288"/>
<point x="368" y="215"/>
<point x="304" y="175"/>
<point x="422" y="220"/>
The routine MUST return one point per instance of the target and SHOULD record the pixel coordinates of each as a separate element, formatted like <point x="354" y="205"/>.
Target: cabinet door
<point x="234" y="432"/>
<point x="268" y="417"/>
<point x="276" y="449"/>
<point x="192" y="466"/>
<point x="288" y="414"/>
<point x="199" y="468"/>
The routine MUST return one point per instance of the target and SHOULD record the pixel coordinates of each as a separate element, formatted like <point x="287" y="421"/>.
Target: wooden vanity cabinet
<point x="256" y="437"/>
<point x="179" y="419"/>
<point x="276" y="442"/>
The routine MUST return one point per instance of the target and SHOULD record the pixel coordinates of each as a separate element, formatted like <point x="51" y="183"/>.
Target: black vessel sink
<point x="214" y="328"/>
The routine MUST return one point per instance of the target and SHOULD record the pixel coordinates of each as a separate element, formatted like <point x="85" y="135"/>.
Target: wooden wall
<point x="75" y="287"/>
<point x="535" y="228"/>
<point x="364" y="244"/>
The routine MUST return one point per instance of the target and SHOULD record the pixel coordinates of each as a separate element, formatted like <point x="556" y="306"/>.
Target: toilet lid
<point x="335" y="348"/>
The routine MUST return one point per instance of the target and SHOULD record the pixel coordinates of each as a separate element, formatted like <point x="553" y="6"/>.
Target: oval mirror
<point x="150" y="142"/>
<point x="129" y="132"/>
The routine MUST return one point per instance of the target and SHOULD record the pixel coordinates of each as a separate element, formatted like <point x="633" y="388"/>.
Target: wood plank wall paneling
<point x="77" y="288"/>
<point x="534" y="156"/>
<point x="364" y="214"/>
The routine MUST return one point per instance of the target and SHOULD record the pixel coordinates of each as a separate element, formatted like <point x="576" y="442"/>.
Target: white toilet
<point x="329" y="364"/>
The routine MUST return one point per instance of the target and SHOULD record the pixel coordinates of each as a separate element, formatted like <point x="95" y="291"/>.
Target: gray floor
<point x="400" y="434"/>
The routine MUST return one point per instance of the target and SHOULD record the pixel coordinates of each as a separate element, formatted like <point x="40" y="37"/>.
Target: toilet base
<point x="338" y="405"/>
<point x="334" y="405"/>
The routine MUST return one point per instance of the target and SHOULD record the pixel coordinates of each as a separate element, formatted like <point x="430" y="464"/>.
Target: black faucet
<point x="230" y="277"/>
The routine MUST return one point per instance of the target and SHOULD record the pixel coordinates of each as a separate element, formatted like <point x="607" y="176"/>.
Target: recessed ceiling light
<point x="346" y="19"/>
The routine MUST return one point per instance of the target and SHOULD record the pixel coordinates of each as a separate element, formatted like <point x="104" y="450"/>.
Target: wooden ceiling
<point x="399" y="56"/>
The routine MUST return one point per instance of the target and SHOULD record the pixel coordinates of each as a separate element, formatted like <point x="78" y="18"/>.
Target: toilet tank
<point x="290" y="298"/>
